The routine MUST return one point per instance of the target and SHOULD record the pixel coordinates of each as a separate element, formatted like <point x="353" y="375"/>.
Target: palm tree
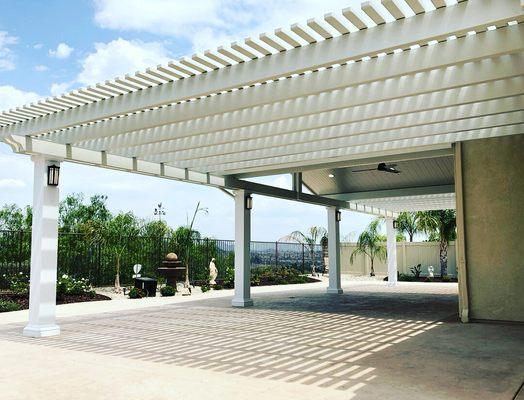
<point x="309" y="239"/>
<point x="371" y="243"/>
<point x="439" y="224"/>
<point x="408" y="224"/>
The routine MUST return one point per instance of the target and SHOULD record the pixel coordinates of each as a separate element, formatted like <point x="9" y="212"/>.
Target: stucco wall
<point x="408" y="255"/>
<point x="493" y="187"/>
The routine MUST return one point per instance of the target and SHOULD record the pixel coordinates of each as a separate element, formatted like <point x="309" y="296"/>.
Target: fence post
<point x="20" y="249"/>
<point x="303" y="259"/>
<point x="276" y="254"/>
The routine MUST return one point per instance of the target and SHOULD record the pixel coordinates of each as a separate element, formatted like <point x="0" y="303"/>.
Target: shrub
<point x="136" y="293"/>
<point x="67" y="285"/>
<point x="416" y="271"/>
<point x="276" y="276"/>
<point x="405" y="277"/>
<point x="229" y="276"/>
<point x="19" y="283"/>
<point x="6" y="306"/>
<point x="167" y="291"/>
<point x="446" y="278"/>
<point x="217" y="287"/>
<point x="205" y="287"/>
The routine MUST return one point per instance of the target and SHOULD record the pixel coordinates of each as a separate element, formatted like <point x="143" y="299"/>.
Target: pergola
<point x="397" y="81"/>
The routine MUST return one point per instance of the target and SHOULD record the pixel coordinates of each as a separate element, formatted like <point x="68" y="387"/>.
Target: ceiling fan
<point x="383" y="167"/>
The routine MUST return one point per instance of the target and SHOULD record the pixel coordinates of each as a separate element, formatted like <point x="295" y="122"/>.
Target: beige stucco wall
<point x="408" y="255"/>
<point x="493" y="187"/>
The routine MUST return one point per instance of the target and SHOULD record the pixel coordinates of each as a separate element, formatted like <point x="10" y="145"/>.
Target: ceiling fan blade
<point x="364" y="170"/>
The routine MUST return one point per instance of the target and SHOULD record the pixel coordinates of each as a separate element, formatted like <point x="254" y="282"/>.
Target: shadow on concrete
<point x="369" y="344"/>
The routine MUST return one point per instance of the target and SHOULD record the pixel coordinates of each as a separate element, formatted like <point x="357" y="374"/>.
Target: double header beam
<point x="298" y="195"/>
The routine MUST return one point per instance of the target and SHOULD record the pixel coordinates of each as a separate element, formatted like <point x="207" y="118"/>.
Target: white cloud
<point x="59" y="88"/>
<point x="11" y="97"/>
<point x="40" y="68"/>
<point x="38" y="46"/>
<point x="10" y="183"/>
<point x="209" y="23"/>
<point x="62" y="51"/>
<point x="6" y="55"/>
<point x="119" y="57"/>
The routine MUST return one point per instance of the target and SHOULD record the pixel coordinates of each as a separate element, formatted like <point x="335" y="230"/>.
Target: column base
<point x="394" y="283"/>
<point x="41" y="330"/>
<point x="334" y="290"/>
<point x="242" y="302"/>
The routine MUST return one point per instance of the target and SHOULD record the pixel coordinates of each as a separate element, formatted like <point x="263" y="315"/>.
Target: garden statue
<point x="136" y="270"/>
<point x="431" y="271"/>
<point x="171" y="257"/>
<point x="213" y="272"/>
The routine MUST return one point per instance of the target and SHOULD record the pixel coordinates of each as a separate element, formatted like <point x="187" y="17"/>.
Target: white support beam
<point x="295" y="195"/>
<point x="242" y="296"/>
<point x="44" y="251"/>
<point x="391" y="244"/>
<point x="334" y="251"/>
<point x="437" y="25"/>
<point x="57" y="151"/>
<point x="450" y="58"/>
<point x="377" y="194"/>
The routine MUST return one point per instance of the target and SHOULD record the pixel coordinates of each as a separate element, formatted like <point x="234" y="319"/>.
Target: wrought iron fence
<point x="97" y="261"/>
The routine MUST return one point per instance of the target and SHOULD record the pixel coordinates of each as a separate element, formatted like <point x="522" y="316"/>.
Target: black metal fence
<point x="97" y="261"/>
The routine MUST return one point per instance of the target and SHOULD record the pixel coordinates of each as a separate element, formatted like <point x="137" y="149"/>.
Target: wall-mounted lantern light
<point x="249" y="202"/>
<point x="395" y="224"/>
<point x="53" y="175"/>
<point x="339" y="215"/>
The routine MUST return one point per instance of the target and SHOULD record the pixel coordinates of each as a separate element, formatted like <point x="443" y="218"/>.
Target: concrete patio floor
<point x="372" y="342"/>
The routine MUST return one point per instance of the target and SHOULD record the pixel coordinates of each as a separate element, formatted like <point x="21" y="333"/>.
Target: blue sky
<point x="49" y="47"/>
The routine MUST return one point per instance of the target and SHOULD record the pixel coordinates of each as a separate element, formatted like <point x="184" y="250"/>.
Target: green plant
<point x="408" y="224"/>
<point x="276" y="276"/>
<point x="205" y="288"/>
<point x="19" y="284"/>
<point x="416" y="271"/>
<point x="217" y="287"/>
<point x="136" y="293"/>
<point x="309" y="239"/>
<point x="446" y="278"/>
<point x="370" y="243"/>
<point x="67" y="285"/>
<point x="167" y="291"/>
<point x="405" y="277"/>
<point x="229" y="275"/>
<point x="439" y="225"/>
<point x="6" y="306"/>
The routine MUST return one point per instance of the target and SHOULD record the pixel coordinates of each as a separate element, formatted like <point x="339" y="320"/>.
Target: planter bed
<point x="23" y="301"/>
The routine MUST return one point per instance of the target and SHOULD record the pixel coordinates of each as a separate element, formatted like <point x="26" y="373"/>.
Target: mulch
<point x="23" y="301"/>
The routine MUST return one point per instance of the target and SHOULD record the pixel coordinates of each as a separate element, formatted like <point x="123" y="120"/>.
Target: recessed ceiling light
<point x="331" y="175"/>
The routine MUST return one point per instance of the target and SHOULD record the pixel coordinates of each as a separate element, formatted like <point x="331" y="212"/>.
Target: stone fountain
<point x="172" y="269"/>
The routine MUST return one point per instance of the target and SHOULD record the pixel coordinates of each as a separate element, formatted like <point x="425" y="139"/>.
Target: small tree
<point x="187" y="239"/>
<point x="371" y="244"/>
<point x="407" y="224"/>
<point x="440" y="225"/>
<point x="309" y="239"/>
<point x="114" y="234"/>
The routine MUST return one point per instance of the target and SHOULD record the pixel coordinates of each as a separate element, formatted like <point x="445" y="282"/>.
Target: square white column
<point x="391" y="234"/>
<point x="44" y="251"/>
<point x="242" y="297"/>
<point x="334" y="251"/>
